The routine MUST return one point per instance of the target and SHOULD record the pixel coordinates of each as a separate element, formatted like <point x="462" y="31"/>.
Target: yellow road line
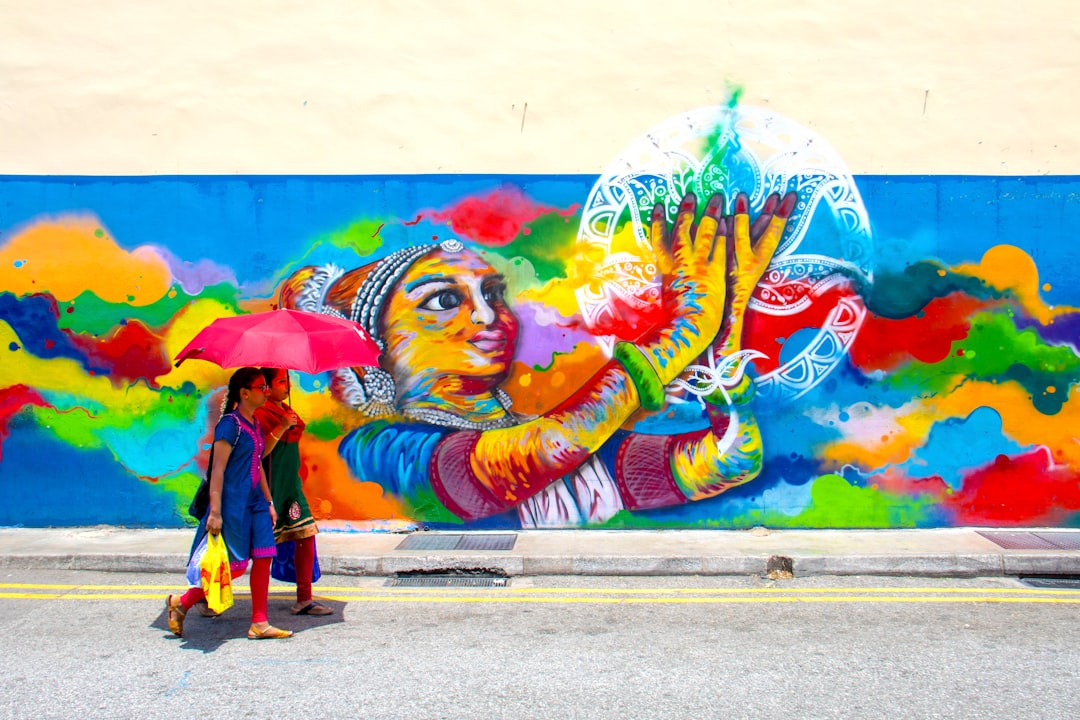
<point x="494" y="599"/>
<point x="322" y="590"/>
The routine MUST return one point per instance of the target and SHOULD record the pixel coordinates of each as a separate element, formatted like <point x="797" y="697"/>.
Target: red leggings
<point x="259" y="581"/>
<point x="305" y="566"/>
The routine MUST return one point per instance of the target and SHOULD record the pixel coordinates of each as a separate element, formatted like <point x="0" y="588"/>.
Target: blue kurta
<point x="245" y="512"/>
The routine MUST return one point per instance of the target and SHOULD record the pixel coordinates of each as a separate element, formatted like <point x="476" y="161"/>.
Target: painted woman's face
<point x="447" y="316"/>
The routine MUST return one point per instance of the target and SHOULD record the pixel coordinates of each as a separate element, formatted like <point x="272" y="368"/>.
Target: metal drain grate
<point x="439" y="581"/>
<point x="429" y="542"/>
<point x="1033" y="541"/>
<point x="1053" y="583"/>
<point x="1063" y="540"/>
<point x="487" y="542"/>
<point x="457" y="542"/>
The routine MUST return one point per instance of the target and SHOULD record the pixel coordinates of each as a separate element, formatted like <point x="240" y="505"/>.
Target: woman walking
<point x="240" y="506"/>
<point x="283" y="428"/>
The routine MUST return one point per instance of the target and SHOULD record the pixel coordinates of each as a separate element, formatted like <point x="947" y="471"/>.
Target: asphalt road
<point x="96" y="645"/>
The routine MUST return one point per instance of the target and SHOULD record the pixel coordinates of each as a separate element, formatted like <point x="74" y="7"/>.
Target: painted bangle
<point x="650" y="389"/>
<point x="739" y="395"/>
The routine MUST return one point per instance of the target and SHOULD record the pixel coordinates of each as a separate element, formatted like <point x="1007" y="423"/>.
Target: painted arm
<point x="730" y="453"/>
<point x="477" y="474"/>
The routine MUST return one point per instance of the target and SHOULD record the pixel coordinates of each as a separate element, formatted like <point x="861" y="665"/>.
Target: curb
<point x="803" y="565"/>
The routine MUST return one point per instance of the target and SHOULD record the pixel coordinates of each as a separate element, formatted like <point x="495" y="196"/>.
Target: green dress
<point x="295" y="521"/>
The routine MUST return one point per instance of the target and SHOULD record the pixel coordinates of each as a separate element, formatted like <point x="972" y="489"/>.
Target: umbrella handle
<point x="187" y="356"/>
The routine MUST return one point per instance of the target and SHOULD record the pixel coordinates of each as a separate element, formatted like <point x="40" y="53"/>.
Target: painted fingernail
<point x="657" y="212"/>
<point x="715" y="206"/>
<point x="688" y="201"/>
<point x="787" y="205"/>
<point x="742" y="204"/>
<point x="770" y="204"/>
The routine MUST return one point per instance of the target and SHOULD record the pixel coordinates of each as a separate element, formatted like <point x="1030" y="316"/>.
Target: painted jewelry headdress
<point x="358" y="295"/>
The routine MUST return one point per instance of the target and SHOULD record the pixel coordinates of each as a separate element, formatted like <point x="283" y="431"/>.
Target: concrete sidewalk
<point x="940" y="553"/>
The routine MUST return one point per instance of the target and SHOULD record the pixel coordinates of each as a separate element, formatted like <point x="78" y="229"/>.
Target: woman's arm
<point x="222" y="451"/>
<point x="265" y="487"/>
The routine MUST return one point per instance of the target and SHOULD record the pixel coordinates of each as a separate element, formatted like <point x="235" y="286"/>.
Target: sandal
<point x="176" y="615"/>
<point x="313" y="608"/>
<point x="268" y="633"/>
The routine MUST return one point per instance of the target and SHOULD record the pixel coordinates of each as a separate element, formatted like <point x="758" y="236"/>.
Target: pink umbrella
<point x="291" y="339"/>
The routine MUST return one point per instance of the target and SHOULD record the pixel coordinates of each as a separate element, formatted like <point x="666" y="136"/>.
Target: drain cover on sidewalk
<point x="1016" y="540"/>
<point x="438" y="581"/>
<point x="458" y="542"/>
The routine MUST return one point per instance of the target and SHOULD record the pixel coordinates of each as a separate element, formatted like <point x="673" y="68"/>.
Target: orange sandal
<point x="176" y="616"/>
<point x="268" y="633"/>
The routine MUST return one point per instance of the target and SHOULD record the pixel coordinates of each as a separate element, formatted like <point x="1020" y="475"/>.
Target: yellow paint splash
<point x="69" y="255"/>
<point x="1008" y="268"/>
<point x="1020" y="421"/>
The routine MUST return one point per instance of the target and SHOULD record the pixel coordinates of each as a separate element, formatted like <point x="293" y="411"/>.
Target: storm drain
<point x="443" y="581"/>
<point x="1052" y="583"/>
<point x="1013" y="540"/>
<point x="458" y="542"/>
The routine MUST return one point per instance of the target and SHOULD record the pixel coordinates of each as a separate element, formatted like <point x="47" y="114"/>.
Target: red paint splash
<point x="12" y="400"/>
<point x="885" y="344"/>
<point x="131" y="352"/>
<point x="494" y="219"/>
<point x="632" y="320"/>
<point x="1023" y="490"/>
<point x="768" y="333"/>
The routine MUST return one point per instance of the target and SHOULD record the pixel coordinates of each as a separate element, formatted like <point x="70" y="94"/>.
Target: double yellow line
<point x="33" y="591"/>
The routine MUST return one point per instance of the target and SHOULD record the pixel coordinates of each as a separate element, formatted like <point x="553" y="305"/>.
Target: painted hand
<point x="750" y="249"/>
<point x="693" y="289"/>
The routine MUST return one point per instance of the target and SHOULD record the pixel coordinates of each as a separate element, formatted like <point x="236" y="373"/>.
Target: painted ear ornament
<point x="370" y="390"/>
<point x="372" y="393"/>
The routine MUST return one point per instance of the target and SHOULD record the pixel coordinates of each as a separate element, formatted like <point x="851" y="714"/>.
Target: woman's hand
<point x="694" y="285"/>
<point x="288" y="420"/>
<point x="273" y="514"/>
<point x="213" y="523"/>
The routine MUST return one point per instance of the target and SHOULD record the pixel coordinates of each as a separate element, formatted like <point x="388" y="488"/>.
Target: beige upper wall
<point x="441" y="86"/>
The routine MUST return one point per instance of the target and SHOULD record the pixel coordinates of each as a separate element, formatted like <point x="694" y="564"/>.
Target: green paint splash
<point x="835" y="503"/>
<point x="901" y="295"/>
<point x="995" y="351"/>
<point x="550" y="240"/>
<point x="98" y="317"/>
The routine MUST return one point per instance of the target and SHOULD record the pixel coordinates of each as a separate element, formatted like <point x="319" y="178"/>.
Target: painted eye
<point x="494" y="292"/>
<point x="442" y="300"/>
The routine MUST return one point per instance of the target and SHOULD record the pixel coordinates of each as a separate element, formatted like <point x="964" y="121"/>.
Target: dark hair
<point x="240" y="379"/>
<point x="269" y="373"/>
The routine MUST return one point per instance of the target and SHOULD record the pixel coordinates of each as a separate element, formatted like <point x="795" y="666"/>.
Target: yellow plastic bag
<point x="215" y="575"/>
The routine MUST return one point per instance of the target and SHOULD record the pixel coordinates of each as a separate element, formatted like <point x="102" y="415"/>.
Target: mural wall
<point x="726" y="328"/>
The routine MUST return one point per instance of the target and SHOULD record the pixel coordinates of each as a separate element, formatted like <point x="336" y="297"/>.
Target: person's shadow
<point x="207" y="634"/>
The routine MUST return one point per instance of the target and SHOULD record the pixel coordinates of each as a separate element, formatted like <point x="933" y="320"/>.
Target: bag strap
<point x="210" y="460"/>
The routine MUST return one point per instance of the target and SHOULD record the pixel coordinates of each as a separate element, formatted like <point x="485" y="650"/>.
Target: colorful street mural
<point x="724" y="329"/>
